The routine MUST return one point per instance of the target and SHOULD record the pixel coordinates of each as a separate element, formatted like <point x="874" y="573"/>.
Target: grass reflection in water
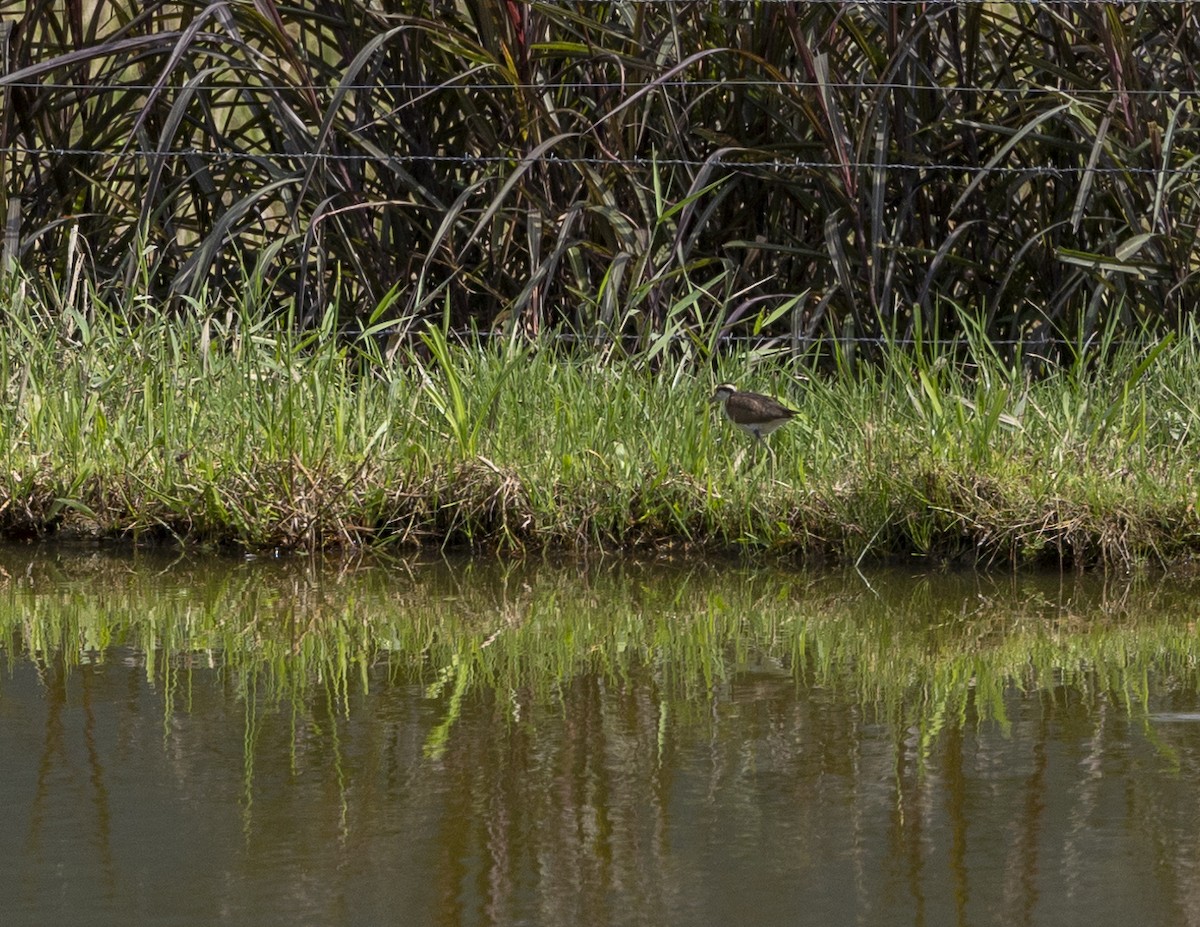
<point x="917" y="652"/>
<point x="591" y="743"/>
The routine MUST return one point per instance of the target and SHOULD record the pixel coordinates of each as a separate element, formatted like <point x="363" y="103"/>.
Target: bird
<point x="755" y="414"/>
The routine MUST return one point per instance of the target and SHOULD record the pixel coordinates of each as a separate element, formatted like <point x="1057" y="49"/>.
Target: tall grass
<point x="614" y="166"/>
<point x="246" y="431"/>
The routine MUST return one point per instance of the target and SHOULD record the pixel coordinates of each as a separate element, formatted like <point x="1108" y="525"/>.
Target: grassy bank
<point x="247" y="434"/>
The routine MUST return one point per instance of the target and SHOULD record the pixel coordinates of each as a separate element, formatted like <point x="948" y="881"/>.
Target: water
<point x="217" y="742"/>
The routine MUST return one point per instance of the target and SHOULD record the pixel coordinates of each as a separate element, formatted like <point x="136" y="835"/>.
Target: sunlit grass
<point x="248" y="434"/>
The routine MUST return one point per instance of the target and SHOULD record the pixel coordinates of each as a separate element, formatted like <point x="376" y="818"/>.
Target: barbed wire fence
<point x="138" y="150"/>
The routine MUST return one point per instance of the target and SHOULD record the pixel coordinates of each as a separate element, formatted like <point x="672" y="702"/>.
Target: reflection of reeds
<point x="921" y="655"/>
<point x="249" y="434"/>
<point x="531" y="742"/>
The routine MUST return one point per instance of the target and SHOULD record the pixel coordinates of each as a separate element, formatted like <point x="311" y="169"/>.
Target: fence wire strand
<point x="551" y="160"/>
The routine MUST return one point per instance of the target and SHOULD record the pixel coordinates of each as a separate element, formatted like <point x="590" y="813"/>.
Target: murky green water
<point x="214" y="742"/>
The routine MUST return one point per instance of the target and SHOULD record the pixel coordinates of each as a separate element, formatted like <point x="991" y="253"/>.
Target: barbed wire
<point x="1051" y="4"/>
<point x="596" y="161"/>
<point x="945" y="3"/>
<point x="629" y="86"/>
<point x="813" y="341"/>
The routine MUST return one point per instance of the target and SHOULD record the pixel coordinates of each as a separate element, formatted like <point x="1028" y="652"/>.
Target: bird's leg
<point x="758" y="442"/>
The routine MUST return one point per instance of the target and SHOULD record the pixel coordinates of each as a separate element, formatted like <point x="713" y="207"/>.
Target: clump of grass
<point x="245" y="432"/>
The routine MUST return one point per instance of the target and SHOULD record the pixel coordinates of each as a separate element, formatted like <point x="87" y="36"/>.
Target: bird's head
<point x="723" y="392"/>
